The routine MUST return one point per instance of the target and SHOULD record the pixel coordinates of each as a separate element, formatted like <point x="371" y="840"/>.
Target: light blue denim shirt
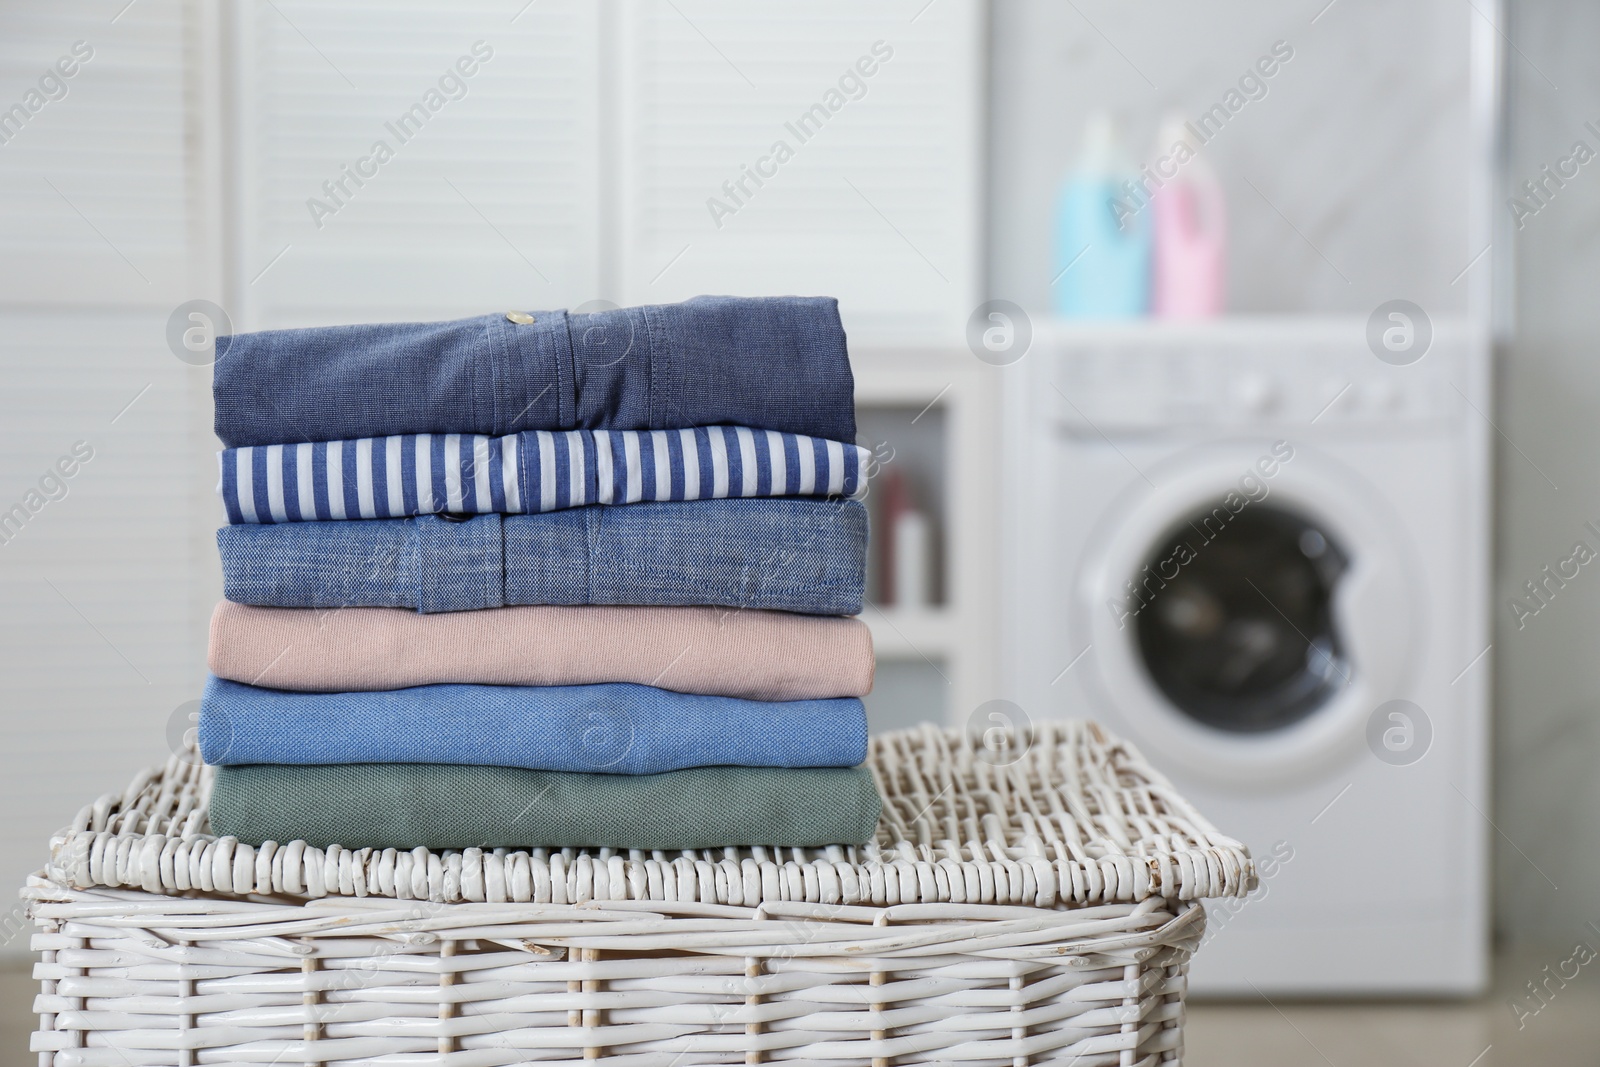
<point x="610" y="728"/>
<point x="785" y="553"/>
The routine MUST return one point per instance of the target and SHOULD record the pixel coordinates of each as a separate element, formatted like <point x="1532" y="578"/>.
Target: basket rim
<point x="1052" y="815"/>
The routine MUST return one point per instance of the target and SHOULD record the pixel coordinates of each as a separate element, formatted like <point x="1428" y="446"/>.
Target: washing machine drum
<point x="1242" y="637"/>
<point x="1248" y="644"/>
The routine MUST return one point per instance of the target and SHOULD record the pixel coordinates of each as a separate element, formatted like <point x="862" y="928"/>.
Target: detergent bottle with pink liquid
<point x="1190" y="264"/>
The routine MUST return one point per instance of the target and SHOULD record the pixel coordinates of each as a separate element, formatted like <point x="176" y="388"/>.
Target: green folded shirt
<point x="439" y="806"/>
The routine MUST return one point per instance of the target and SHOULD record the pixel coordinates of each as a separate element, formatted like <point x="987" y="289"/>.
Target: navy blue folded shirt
<point x="771" y="363"/>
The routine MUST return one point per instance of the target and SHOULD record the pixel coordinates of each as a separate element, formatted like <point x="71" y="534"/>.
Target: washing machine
<point x="1258" y="549"/>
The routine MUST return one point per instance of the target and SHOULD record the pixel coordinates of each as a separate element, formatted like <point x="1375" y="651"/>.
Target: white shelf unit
<point x="956" y="636"/>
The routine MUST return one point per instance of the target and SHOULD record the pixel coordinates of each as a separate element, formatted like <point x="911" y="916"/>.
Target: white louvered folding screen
<point x="96" y="207"/>
<point x="104" y="574"/>
<point x="580" y="161"/>
<point x="489" y="198"/>
<point x="873" y="195"/>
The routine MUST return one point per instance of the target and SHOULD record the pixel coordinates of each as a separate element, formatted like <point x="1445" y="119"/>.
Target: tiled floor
<point x="1565" y="1033"/>
<point x="17" y="988"/>
<point x="1482" y="1033"/>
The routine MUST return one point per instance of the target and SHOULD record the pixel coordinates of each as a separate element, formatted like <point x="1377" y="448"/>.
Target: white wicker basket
<point x="1036" y="904"/>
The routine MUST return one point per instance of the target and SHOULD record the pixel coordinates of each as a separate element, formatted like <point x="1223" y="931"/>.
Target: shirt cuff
<point x="533" y="384"/>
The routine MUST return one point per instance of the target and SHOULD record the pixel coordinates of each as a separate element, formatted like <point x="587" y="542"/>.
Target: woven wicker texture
<point x="132" y="978"/>
<point x="1061" y="815"/>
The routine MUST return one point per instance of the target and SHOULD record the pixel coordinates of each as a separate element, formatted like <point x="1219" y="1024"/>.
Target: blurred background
<point x="1233" y="362"/>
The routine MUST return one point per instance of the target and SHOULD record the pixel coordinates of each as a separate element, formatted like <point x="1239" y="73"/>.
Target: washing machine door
<point x="1246" y="624"/>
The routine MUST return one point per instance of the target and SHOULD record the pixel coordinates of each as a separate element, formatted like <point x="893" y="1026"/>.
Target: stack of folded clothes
<point x="543" y="580"/>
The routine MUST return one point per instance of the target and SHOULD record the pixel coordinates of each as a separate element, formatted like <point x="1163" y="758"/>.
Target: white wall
<point x="1548" y="672"/>
<point x="1360" y="143"/>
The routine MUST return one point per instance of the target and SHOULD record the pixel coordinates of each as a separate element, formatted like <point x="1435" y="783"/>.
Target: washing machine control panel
<point x="1140" y="378"/>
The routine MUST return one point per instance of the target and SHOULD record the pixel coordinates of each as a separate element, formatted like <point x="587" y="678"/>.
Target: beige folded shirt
<point x="760" y="655"/>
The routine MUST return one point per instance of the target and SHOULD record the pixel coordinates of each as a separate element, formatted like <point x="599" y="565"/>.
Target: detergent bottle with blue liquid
<point x="1103" y="233"/>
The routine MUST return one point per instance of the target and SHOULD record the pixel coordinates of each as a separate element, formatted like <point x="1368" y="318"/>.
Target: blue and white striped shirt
<point x="533" y="471"/>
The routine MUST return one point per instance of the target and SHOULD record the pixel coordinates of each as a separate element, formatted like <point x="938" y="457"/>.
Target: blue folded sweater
<point x="615" y="727"/>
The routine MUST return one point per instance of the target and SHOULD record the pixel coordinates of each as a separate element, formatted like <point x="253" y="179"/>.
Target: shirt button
<point x="521" y="318"/>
